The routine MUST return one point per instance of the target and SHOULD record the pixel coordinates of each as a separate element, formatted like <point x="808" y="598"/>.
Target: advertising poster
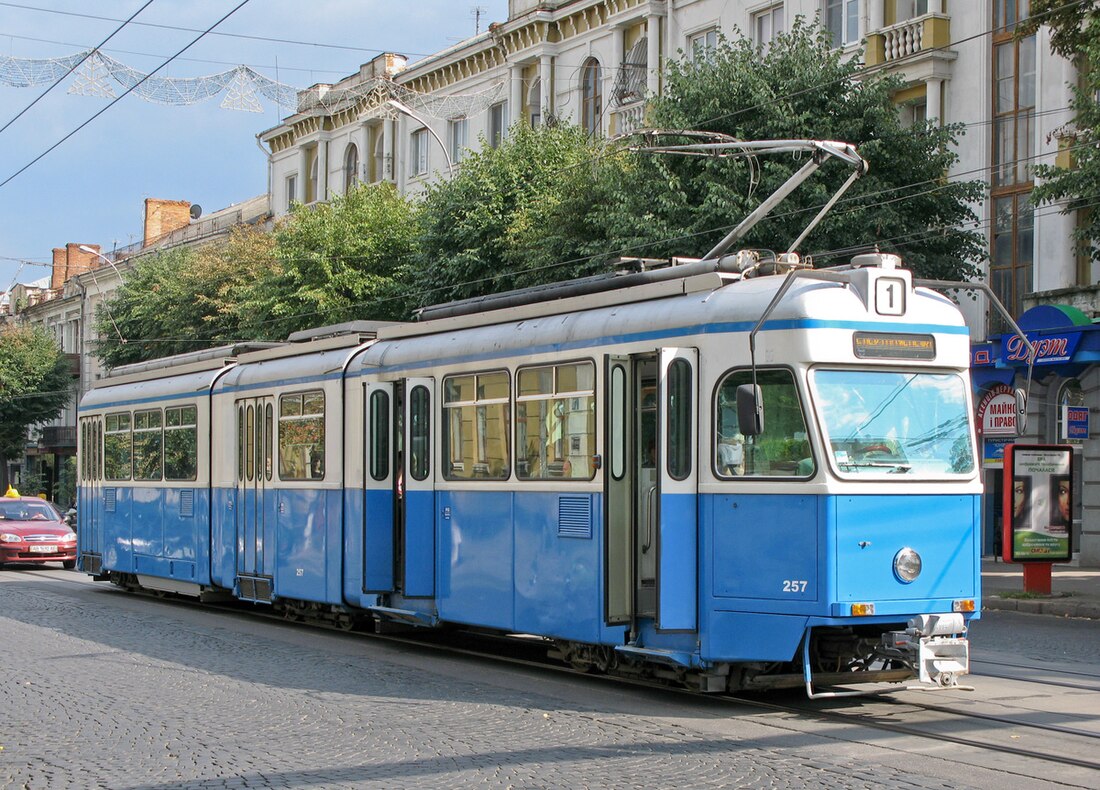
<point x="1038" y="503"/>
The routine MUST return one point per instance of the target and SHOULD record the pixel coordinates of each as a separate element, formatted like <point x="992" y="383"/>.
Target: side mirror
<point x="1021" y="411"/>
<point x="750" y="410"/>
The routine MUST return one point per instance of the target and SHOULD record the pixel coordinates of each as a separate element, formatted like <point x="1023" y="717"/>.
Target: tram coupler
<point x="935" y="645"/>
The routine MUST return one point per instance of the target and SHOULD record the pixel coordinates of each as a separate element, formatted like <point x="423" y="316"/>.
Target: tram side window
<point x="380" y="435"/>
<point x="302" y="436"/>
<point x="148" y="445"/>
<point x="181" y="443"/>
<point x="476" y="418"/>
<point x="556" y="422"/>
<point x="117" y="446"/>
<point x="783" y="450"/>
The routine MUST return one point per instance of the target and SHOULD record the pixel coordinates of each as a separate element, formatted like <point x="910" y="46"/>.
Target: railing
<point x="57" y="436"/>
<point x="903" y="39"/>
<point x="629" y="118"/>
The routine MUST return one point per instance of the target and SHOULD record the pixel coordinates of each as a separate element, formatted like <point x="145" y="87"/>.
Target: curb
<point x="1058" y="607"/>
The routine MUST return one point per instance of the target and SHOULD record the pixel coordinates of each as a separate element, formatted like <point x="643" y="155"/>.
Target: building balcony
<point x="57" y="437"/>
<point x="915" y="47"/>
<point x="627" y="118"/>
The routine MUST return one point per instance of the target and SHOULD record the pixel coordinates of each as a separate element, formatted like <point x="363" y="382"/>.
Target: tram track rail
<point x="529" y="654"/>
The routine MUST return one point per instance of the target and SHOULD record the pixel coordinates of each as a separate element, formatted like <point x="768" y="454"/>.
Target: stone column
<point x="653" y="55"/>
<point x="934" y="99"/>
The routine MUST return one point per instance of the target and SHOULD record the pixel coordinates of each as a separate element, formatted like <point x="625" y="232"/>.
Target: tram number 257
<point x="794" y="585"/>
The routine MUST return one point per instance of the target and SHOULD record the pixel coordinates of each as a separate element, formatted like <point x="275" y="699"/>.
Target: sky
<point x="91" y="189"/>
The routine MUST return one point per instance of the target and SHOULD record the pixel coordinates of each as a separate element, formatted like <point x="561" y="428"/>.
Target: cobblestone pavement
<point x="104" y="690"/>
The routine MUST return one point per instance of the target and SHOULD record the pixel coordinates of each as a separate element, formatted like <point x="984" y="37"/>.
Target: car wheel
<point x="68" y="564"/>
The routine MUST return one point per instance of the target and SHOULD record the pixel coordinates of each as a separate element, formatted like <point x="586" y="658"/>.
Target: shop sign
<point x="1076" y="420"/>
<point x="1049" y="349"/>
<point x="1038" y="503"/>
<point x="997" y="412"/>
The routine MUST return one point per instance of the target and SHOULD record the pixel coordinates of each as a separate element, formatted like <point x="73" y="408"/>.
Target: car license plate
<point x="43" y="549"/>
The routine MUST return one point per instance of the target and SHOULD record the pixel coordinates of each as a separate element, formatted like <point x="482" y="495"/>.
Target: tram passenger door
<point x="255" y="470"/>
<point x="678" y="490"/>
<point x="90" y="501"/>
<point x="631" y="488"/>
<point x="380" y="516"/>
<point x="417" y="549"/>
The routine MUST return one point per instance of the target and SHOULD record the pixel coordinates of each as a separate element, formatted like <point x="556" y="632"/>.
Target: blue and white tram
<point x="737" y="481"/>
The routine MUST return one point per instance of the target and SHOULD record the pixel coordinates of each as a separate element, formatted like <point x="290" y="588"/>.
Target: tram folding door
<point x="419" y="489"/>
<point x="378" y="489"/>
<point x="255" y="499"/>
<point x="89" y="508"/>
<point x="677" y="520"/>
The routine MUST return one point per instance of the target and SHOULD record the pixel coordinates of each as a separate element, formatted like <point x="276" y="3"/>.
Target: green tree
<point x="335" y="262"/>
<point x="184" y="299"/>
<point x="800" y="87"/>
<point x="1075" y="34"/>
<point x="521" y="214"/>
<point x="35" y="385"/>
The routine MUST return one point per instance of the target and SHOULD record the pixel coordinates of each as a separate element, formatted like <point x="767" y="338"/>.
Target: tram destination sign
<point x="890" y="345"/>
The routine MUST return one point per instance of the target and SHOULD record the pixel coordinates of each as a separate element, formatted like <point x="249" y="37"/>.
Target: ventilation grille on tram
<point x="574" y="517"/>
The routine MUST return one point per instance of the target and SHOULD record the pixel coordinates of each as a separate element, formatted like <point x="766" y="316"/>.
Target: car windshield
<point x="26" y="511"/>
<point x="895" y="422"/>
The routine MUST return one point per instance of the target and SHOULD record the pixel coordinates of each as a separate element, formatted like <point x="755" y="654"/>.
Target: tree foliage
<point x="1075" y="34"/>
<point x="335" y="262"/>
<point x="521" y="214"/>
<point x="800" y="87"/>
<point x="35" y="385"/>
<point x="182" y="300"/>
<point x="322" y="265"/>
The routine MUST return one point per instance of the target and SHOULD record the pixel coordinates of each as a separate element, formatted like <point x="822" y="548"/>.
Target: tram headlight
<point x="907" y="565"/>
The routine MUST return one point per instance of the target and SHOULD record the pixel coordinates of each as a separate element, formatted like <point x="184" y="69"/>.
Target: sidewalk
<point x="1075" y="592"/>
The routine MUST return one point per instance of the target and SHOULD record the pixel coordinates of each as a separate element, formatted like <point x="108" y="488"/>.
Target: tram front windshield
<point x="880" y="422"/>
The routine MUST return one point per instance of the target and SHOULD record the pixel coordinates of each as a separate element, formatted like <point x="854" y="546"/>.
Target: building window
<point x="380" y="168"/>
<point x="909" y="9"/>
<point x="702" y="45"/>
<point x="591" y="97"/>
<point x="913" y="114"/>
<point x="418" y="153"/>
<point x="458" y="131"/>
<point x="766" y="24"/>
<point x="313" y="183"/>
<point x="498" y="123"/>
<point x="1012" y="254"/>
<point x="1013" y="218"/>
<point x="291" y="190"/>
<point x="534" y="102"/>
<point x="351" y="168"/>
<point x="842" y="21"/>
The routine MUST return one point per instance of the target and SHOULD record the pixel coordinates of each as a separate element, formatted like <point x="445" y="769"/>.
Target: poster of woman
<point x="1038" y="503"/>
<point x="1060" y="514"/>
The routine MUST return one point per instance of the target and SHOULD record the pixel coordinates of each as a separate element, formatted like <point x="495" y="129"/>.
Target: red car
<point x="32" y="531"/>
